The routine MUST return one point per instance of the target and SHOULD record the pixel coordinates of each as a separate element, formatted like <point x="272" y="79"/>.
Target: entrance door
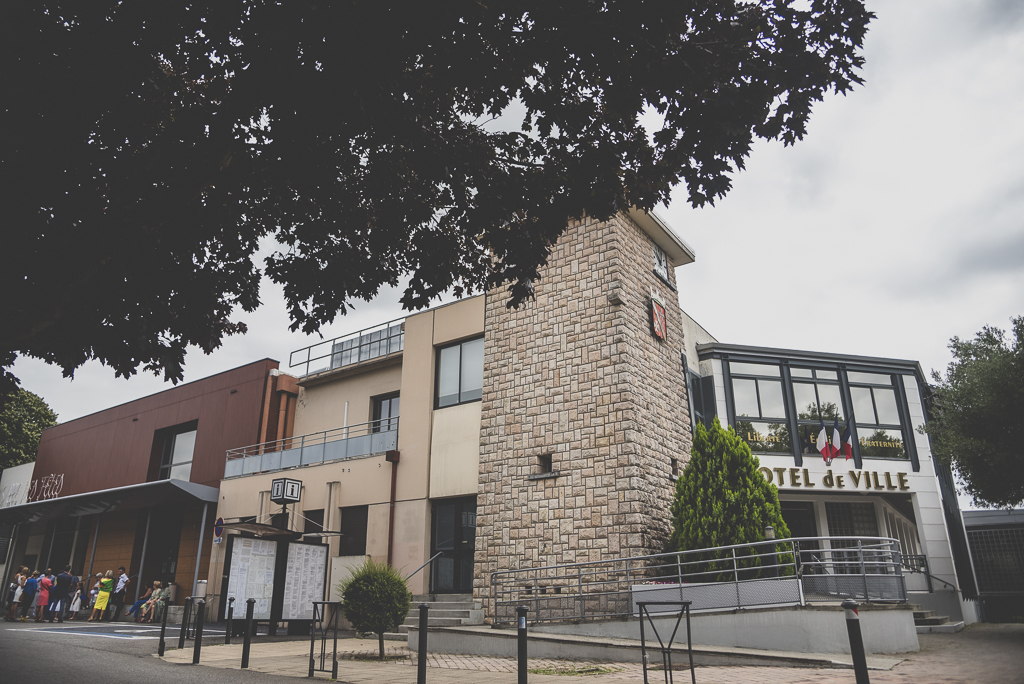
<point x="455" y="539"/>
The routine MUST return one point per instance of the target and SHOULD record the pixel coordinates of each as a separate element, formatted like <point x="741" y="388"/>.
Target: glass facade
<point x="778" y="407"/>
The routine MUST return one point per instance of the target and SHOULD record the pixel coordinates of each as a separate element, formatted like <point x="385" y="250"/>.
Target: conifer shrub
<point x="722" y="500"/>
<point x="375" y="599"/>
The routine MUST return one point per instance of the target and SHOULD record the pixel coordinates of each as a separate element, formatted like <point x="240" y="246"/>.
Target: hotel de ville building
<point x="473" y="439"/>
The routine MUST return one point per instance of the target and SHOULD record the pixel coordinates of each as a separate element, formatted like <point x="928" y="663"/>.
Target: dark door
<point x="455" y="539"/>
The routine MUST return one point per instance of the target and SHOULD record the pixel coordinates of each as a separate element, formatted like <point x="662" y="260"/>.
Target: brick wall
<point x="581" y="378"/>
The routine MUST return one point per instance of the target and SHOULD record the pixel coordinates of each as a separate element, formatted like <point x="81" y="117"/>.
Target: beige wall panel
<point x="322" y="407"/>
<point x="417" y="402"/>
<point x="455" y="451"/>
<point x="412" y="541"/>
<point x="377" y="532"/>
<point x="459" y="320"/>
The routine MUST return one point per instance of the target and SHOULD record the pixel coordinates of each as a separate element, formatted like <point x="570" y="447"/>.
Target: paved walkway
<point x="981" y="654"/>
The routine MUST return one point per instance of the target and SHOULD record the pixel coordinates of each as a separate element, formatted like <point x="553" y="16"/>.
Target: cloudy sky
<point x="896" y="224"/>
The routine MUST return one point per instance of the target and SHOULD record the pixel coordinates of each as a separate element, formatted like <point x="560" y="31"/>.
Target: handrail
<point x="375" y="342"/>
<point x="337" y="444"/>
<point x="423" y="566"/>
<point x="766" y="573"/>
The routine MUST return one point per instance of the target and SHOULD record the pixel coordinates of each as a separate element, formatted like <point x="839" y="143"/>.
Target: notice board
<point x="252" y="574"/>
<point x="304" y="580"/>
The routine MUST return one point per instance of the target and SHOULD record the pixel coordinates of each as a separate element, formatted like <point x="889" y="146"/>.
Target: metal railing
<point x="377" y="342"/>
<point x="786" y="572"/>
<point x="353" y="441"/>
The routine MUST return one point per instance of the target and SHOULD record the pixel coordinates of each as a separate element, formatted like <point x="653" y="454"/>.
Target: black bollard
<point x="186" y="609"/>
<point x="421" y="662"/>
<point x="334" y="666"/>
<point x="250" y="605"/>
<point x="200" y="615"/>
<point x="163" y="630"/>
<point x="231" y="614"/>
<point x="521" y="620"/>
<point x="860" y="663"/>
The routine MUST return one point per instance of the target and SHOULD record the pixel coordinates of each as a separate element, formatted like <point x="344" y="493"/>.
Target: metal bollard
<point x="421" y="647"/>
<point x="200" y="615"/>
<point x="334" y="666"/>
<point x="250" y="605"/>
<point x="163" y="631"/>
<point x="231" y="614"/>
<point x="860" y="663"/>
<point x="186" y="609"/>
<point x="521" y="620"/>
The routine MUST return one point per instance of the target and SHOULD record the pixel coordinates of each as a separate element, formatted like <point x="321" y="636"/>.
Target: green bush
<point x="375" y="599"/>
<point x="722" y="500"/>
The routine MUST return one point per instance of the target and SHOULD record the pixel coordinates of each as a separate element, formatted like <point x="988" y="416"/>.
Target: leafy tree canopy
<point x="150" y="146"/>
<point x="375" y="599"/>
<point x="977" y="417"/>
<point x="23" y="417"/>
<point x="721" y="499"/>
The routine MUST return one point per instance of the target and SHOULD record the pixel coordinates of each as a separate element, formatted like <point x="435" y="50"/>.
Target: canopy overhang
<point x="138" y="496"/>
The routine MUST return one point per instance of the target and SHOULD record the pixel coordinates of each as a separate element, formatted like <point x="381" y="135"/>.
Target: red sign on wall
<point x="659" y="322"/>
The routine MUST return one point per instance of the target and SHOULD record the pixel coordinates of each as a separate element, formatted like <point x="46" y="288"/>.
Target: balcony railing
<point x="377" y="342"/>
<point x="786" y="572"/>
<point x="339" y="444"/>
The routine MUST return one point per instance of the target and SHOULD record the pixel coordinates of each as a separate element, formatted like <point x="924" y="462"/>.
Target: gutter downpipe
<point x="393" y="457"/>
<point x="92" y="555"/>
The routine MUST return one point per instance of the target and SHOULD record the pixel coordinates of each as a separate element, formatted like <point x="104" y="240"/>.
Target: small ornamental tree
<point x="721" y="499"/>
<point x="375" y="599"/>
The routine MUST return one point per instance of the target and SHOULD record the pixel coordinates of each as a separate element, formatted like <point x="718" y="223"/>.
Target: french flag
<point x="847" y="449"/>
<point x="826" y="442"/>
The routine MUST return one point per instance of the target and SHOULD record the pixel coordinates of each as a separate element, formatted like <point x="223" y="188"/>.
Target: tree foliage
<point x="375" y="599"/>
<point x="977" y="417"/>
<point x="23" y="417"/>
<point x="149" y="148"/>
<point x="721" y="499"/>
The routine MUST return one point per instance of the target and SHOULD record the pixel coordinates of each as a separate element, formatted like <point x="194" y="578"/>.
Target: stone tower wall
<point x="578" y="375"/>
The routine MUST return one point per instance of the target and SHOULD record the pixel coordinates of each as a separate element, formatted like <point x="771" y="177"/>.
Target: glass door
<point x="454" y="537"/>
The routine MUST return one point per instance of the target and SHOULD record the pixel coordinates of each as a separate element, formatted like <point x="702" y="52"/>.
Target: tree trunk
<point x="380" y="637"/>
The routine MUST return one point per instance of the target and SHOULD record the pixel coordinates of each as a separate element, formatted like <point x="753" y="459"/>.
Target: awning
<point x="145" y="495"/>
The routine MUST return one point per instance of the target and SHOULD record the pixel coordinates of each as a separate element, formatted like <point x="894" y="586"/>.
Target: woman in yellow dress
<point x="106" y="586"/>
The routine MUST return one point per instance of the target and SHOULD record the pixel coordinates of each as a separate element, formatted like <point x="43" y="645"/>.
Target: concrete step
<point x="431" y="614"/>
<point x="433" y="622"/>
<point x="947" y="628"/>
<point x="922" y="614"/>
<point x="430" y="598"/>
<point x="395" y="636"/>
<point x="932" y="621"/>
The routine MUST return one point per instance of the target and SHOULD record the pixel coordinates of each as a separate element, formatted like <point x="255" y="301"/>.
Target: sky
<point x="896" y="224"/>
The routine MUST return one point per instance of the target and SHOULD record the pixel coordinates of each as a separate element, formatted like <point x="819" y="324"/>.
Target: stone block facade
<point x="577" y="376"/>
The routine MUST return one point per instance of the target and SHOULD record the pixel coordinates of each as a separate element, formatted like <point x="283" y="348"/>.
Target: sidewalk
<point x="981" y="654"/>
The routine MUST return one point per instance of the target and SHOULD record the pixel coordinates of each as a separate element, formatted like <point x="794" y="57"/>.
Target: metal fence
<point x="786" y="572"/>
<point x="354" y="441"/>
<point x="371" y="343"/>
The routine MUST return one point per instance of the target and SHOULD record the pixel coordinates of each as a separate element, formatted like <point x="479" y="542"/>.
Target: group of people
<point x="45" y="596"/>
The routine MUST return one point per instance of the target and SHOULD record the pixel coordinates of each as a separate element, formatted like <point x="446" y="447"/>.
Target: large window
<point x="176" y="447"/>
<point x="818" y="399"/>
<point x="877" y="415"/>
<point x="385" y="413"/>
<point x="460" y="373"/>
<point x="760" y="407"/>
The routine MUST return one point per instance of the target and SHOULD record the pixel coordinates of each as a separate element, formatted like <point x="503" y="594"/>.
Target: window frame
<point x="166" y="438"/>
<point x="786" y="388"/>
<point x="377" y="424"/>
<point x="437" y="374"/>
<point x="895" y="386"/>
